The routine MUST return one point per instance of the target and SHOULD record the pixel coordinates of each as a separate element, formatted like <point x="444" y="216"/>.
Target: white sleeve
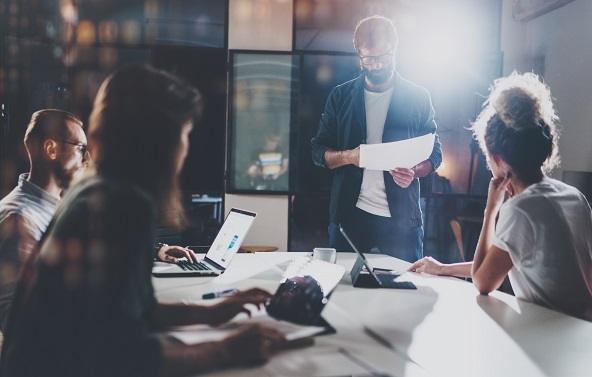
<point x="514" y="232"/>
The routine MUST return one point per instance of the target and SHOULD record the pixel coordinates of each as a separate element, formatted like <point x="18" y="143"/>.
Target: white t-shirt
<point x="372" y="197"/>
<point x="547" y="230"/>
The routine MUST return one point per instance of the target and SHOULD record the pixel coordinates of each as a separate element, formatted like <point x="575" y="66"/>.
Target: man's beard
<point x="378" y="76"/>
<point x="64" y="176"/>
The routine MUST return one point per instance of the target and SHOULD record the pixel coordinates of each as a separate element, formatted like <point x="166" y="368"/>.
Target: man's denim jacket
<point x="343" y="126"/>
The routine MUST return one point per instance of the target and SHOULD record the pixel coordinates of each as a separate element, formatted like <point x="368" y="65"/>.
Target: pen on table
<point x="224" y="293"/>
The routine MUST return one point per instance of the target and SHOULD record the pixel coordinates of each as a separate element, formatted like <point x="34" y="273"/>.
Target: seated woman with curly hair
<point x="543" y="237"/>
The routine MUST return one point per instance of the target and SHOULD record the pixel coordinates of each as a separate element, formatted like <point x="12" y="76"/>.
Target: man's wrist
<point x="157" y="247"/>
<point x="353" y="156"/>
<point x="423" y="169"/>
<point x="346" y="157"/>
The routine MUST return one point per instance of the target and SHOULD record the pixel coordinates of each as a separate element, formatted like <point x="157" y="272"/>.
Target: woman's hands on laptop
<point x="173" y="254"/>
<point x="224" y="311"/>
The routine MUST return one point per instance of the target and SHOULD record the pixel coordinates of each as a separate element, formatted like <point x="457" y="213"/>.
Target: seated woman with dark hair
<point x="86" y="305"/>
<point x="543" y="236"/>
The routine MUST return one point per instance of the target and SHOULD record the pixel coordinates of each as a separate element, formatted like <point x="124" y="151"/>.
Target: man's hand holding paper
<point x="397" y="154"/>
<point x="400" y="158"/>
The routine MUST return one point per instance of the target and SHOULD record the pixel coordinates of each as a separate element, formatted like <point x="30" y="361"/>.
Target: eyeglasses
<point x="80" y="147"/>
<point x="384" y="58"/>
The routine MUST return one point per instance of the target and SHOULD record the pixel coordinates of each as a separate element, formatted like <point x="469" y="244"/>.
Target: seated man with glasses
<point x="57" y="149"/>
<point x="380" y="210"/>
<point x="56" y="146"/>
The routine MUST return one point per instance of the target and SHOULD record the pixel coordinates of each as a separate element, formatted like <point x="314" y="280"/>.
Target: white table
<point x="444" y="328"/>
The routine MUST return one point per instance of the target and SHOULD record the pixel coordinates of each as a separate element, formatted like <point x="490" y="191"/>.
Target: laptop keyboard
<point x="191" y="266"/>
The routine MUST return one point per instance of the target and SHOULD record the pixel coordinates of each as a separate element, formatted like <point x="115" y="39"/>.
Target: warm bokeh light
<point x="445" y="169"/>
<point x="108" y="32"/>
<point x="86" y="33"/>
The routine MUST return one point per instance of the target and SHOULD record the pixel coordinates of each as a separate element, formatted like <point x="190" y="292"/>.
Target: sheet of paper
<point x="196" y="334"/>
<point x="397" y="154"/>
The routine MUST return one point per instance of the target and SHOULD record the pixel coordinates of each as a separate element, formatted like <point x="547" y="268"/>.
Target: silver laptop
<point x="219" y="255"/>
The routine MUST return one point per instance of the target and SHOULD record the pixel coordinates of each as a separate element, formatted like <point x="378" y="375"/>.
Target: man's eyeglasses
<point x="384" y="58"/>
<point x="80" y="147"/>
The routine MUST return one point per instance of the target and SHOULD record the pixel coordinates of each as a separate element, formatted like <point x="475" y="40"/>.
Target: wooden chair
<point x="457" y="231"/>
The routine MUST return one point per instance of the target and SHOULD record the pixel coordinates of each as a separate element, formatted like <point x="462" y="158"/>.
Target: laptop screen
<point x="230" y="236"/>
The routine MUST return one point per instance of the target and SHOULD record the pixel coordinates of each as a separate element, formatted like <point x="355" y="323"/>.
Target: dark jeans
<point x="377" y="234"/>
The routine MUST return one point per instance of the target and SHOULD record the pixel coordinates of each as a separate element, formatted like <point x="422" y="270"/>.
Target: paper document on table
<point x="196" y="334"/>
<point x="397" y="154"/>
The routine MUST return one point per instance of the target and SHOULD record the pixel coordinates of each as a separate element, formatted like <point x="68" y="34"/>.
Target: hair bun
<point x="523" y="101"/>
<point x="520" y="102"/>
<point x="517" y="108"/>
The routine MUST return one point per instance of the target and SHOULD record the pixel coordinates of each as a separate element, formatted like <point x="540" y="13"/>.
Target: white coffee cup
<point x="326" y="254"/>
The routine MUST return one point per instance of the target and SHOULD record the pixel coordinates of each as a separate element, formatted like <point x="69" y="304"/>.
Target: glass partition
<point x="260" y="117"/>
